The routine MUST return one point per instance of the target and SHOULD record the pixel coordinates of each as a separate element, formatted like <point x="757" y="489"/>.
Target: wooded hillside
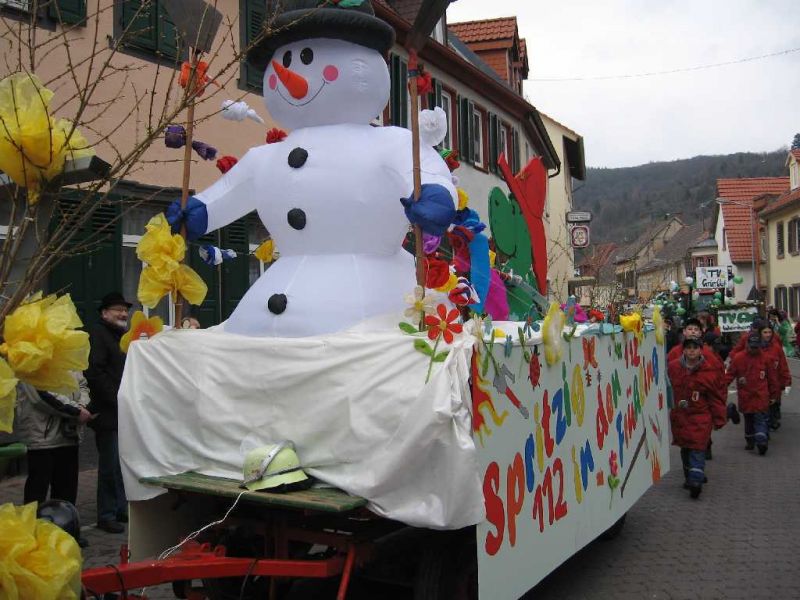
<point x="623" y="201"/>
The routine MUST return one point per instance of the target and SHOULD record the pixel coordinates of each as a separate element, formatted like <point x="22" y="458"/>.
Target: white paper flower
<point x="432" y="126"/>
<point x="552" y="328"/>
<point x="239" y="111"/>
<point x="419" y="305"/>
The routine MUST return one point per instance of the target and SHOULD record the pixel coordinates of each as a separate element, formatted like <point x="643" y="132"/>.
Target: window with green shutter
<point x="398" y="105"/>
<point x="146" y="26"/>
<point x="515" y="157"/>
<point x="69" y="12"/>
<point x="494" y="142"/>
<point x="252" y="14"/>
<point x="236" y="272"/>
<point x="466" y="130"/>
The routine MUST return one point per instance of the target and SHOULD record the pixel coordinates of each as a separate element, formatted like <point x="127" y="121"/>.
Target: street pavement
<point x="737" y="541"/>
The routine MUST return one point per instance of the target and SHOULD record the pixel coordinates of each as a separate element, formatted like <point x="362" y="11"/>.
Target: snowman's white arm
<point x="233" y="195"/>
<point x="433" y="169"/>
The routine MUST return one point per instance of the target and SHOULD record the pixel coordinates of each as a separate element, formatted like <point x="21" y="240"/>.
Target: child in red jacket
<point x="698" y="407"/>
<point x="774" y="350"/>
<point x="756" y="384"/>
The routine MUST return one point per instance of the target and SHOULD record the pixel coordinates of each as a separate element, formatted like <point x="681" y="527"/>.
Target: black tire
<point x="614" y="530"/>
<point x="448" y="568"/>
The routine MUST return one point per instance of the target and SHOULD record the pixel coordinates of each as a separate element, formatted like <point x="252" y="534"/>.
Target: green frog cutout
<point x="512" y="240"/>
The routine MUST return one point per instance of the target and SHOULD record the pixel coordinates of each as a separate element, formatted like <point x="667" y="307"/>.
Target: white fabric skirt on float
<point x="355" y="403"/>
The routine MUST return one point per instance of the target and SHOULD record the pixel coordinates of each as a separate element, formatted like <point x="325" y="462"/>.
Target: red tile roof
<point x="790" y="198"/>
<point x="503" y="28"/>
<point x="738" y="218"/>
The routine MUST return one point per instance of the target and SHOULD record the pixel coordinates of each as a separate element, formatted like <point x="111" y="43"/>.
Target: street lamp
<point x="724" y="201"/>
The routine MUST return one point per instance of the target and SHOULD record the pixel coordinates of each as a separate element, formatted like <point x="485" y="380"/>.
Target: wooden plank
<point x="321" y="499"/>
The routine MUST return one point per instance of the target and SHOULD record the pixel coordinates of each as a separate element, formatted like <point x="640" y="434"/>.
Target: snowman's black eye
<point x="287" y="58"/>
<point x="306" y="55"/>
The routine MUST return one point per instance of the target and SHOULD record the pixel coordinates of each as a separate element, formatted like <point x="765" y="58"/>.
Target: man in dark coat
<point x="106" y="363"/>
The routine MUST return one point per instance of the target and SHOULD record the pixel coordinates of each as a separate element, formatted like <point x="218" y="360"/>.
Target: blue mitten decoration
<point x="434" y="211"/>
<point x="194" y="216"/>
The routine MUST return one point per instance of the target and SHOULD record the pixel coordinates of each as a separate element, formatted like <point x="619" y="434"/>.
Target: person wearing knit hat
<point x="698" y="408"/>
<point x="756" y="383"/>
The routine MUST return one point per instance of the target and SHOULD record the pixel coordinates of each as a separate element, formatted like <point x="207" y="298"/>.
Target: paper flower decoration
<point x="275" y="135"/>
<point x="34" y="145"/>
<point x="265" y="252"/>
<point x="141" y="328"/>
<point x="163" y="252"/>
<point x="226" y="163"/>
<point x="419" y="305"/>
<point x="39" y="559"/>
<point x="437" y="272"/>
<point x="463" y="199"/>
<point x="443" y="324"/>
<point x="43" y="344"/>
<point x="658" y="323"/>
<point x="8" y="396"/>
<point x="632" y="323"/>
<point x="551" y="334"/>
<point x="239" y="111"/>
<point x="432" y="126"/>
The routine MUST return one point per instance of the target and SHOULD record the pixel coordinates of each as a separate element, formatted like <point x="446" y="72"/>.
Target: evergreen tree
<point x="796" y="142"/>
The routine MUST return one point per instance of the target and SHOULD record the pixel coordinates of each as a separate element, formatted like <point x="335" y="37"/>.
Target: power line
<point x="669" y="72"/>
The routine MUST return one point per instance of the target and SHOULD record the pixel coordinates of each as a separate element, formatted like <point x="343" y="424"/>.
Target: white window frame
<point x="438" y="31"/>
<point x="447" y="107"/>
<point x="477" y="138"/>
<point x="502" y="141"/>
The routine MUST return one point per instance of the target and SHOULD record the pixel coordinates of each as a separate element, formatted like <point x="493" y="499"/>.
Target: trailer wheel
<point x="239" y="543"/>
<point x="614" y="530"/>
<point x="448" y="570"/>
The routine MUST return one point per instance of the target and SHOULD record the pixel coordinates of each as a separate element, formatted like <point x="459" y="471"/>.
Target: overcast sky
<point x="753" y="106"/>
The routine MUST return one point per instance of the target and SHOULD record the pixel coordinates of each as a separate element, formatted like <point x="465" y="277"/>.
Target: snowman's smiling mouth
<point x="298" y="104"/>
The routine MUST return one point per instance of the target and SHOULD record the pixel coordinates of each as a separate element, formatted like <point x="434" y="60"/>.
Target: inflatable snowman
<point x="330" y="193"/>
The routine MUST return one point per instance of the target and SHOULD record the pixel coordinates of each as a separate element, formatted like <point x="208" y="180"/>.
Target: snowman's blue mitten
<point x="194" y="216"/>
<point x="434" y="211"/>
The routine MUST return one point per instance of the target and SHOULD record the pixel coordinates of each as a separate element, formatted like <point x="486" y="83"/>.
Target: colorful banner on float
<point x="564" y="450"/>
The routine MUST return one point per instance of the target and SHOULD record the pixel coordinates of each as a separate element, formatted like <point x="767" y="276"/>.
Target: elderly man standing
<point x="106" y="363"/>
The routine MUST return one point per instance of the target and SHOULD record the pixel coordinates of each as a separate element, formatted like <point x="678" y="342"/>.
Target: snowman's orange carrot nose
<point x="296" y="84"/>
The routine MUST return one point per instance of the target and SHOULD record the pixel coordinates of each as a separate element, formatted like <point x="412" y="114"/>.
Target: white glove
<point x="786" y="390"/>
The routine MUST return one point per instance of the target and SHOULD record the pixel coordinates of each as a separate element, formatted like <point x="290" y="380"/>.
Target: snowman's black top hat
<point x="346" y="20"/>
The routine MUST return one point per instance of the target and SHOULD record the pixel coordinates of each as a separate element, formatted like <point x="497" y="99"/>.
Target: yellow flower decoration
<point x="43" y="344"/>
<point x="498" y="333"/>
<point x="492" y="258"/>
<point x="265" y="252"/>
<point x="551" y="333"/>
<point x="463" y="199"/>
<point x="632" y="323"/>
<point x="658" y="323"/>
<point x="452" y="281"/>
<point x="8" y="396"/>
<point x="33" y="144"/>
<point x="163" y="252"/>
<point x="140" y="325"/>
<point x="39" y="559"/>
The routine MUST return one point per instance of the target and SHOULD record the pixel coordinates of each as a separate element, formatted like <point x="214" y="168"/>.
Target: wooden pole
<point x="187" y="165"/>
<point x="413" y="69"/>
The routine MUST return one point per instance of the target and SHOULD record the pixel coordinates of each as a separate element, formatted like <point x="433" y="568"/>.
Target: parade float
<point x="462" y="433"/>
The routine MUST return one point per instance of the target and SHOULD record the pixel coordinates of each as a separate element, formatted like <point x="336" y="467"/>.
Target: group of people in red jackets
<point x="700" y="380"/>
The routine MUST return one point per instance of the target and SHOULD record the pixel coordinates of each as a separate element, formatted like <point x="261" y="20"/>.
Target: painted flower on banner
<point x="141" y="328"/>
<point x="551" y="334"/>
<point x="420" y="305"/>
<point x="613" y="463"/>
<point x="443" y="324"/>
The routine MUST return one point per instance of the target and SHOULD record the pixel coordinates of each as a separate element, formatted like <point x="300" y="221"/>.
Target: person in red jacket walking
<point x="756" y="383"/>
<point x="699" y="407"/>
<point x="774" y="350"/>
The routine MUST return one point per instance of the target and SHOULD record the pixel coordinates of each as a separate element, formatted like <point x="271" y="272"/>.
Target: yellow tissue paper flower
<point x="37" y="558"/>
<point x="658" y="323"/>
<point x="463" y="199"/>
<point x="8" y="397"/>
<point x="498" y="333"/>
<point x="552" y="329"/>
<point x="492" y="258"/>
<point x="33" y="144"/>
<point x="43" y="344"/>
<point x="164" y="274"/>
<point x="633" y="324"/>
<point x="265" y="252"/>
<point x="140" y="325"/>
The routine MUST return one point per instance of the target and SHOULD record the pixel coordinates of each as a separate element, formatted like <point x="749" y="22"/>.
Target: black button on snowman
<point x="325" y="80"/>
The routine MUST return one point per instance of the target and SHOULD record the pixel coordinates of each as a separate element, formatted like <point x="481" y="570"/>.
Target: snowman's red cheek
<point x="273" y="81"/>
<point x="330" y="73"/>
